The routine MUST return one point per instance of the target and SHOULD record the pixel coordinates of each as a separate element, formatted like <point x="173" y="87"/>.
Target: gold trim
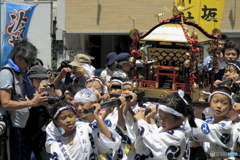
<point x="165" y="43"/>
<point x="142" y="42"/>
<point x="157" y="92"/>
<point x="165" y="67"/>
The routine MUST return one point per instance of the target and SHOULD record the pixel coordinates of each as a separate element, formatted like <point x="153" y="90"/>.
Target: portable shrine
<point x="173" y="58"/>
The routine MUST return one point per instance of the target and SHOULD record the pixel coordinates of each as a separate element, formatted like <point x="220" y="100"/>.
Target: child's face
<point x="116" y="91"/>
<point x="220" y="105"/>
<point x="66" y="119"/>
<point x="80" y="106"/>
<point x="168" y="121"/>
<point x="70" y="98"/>
<point x="231" y="73"/>
<point x="94" y="86"/>
<point x="126" y="89"/>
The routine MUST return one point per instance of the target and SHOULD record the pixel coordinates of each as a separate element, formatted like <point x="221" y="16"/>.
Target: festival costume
<point x="237" y="129"/>
<point x="152" y="143"/>
<point x="126" y="150"/>
<point x="92" y="142"/>
<point x="218" y="137"/>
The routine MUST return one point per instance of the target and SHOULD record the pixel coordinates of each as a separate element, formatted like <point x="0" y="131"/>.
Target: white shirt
<point x="106" y="75"/>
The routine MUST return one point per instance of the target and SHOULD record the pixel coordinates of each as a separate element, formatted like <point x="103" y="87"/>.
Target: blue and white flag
<point x="18" y="18"/>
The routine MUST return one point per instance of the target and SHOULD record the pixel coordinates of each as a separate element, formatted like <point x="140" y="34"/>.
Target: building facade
<point x="98" y="27"/>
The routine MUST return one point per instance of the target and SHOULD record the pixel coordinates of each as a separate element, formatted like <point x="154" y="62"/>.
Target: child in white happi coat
<point x="125" y="124"/>
<point x="116" y="119"/>
<point x="218" y="134"/>
<point x="234" y="115"/>
<point x="170" y="141"/>
<point x="90" y="140"/>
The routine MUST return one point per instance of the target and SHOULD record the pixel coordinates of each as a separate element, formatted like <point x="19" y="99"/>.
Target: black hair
<point x="235" y="88"/>
<point x="236" y="63"/>
<point x="23" y="48"/>
<point x="175" y="102"/>
<point x="64" y="64"/>
<point x="236" y="98"/>
<point x="36" y="62"/>
<point x="223" y="89"/>
<point x="224" y="37"/>
<point x="231" y="45"/>
<point x="119" y="78"/>
<point x="73" y="88"/>
<point x="59" y="105"/>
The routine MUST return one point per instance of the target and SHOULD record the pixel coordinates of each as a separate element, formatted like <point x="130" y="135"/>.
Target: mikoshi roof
<point x="172" y="33"/>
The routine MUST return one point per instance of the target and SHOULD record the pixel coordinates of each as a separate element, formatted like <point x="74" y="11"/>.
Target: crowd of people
<point x="46" y="112"/>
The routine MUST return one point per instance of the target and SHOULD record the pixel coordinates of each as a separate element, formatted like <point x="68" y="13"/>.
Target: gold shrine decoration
<point x="207" y="13"/>
<point x="161" y="54"/>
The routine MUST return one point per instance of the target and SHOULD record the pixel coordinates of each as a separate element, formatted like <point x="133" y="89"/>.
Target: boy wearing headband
<point x="125" y="124"/>
<point x="232" y="71"/>
<point x="170" y="141"/>
<point x="80" y="140"/>
<point x="96" y="84"/>
<point x="217" y="134"/>
<point x="115" y="81"/>
<point x="127" y="87"/>
<point x="84" y="99"/>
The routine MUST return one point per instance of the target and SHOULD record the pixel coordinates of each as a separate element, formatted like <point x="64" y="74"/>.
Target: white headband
<point x="219" y="92"/>
<point x="169" y="110"/>
<point x="64" y="108"/>
<point x="181" y="94"/>
<point x="117" y="80"/>
<point x="66" y="92"/>
<point x="104" y="87"/>
<point x="234" y="65"/>
<point x="127" y="83"/>
<point x="85" y="95"/>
